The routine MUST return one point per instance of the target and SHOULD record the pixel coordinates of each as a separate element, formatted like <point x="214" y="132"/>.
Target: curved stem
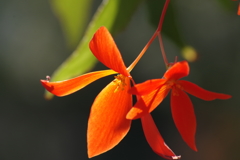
<point x="142" y="52"/>
<point x="162" y="50"/>
<point x="163" y="15"/>
<point x="156" y="33"/>
<point x="159" y="33"/>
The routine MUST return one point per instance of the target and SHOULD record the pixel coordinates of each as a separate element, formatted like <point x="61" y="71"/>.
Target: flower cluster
<point x="112" y="110"/>
<point x="108" y="124"/>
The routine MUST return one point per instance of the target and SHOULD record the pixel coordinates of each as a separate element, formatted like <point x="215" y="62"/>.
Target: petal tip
<point x="132" y="116"/>
<point x="194" y="148"/>
<point x="90" y="155"/>
<point x="228" y="96"/>
<point x="171" y="157"/>
<point x="46" y="85"/>
<point x="92" y="151"/>
<point x="135" y="113"/>
<point x="176" y="157"/>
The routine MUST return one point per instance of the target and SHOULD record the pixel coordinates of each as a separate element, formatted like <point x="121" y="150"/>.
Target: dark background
<point x="32" y="46"/>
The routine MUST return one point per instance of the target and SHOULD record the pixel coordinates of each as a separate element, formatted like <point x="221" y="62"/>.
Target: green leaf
<point x="73" y="16"/>
<point x="112" y="14"/>
<point x="229" y="5"/>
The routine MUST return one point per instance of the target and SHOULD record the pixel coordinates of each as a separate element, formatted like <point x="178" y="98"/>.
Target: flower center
<point x="175" y="87"/>
<point x="120" y="82"/>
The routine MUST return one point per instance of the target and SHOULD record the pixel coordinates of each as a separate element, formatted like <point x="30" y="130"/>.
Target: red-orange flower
<point x="107" y="124"/>
<point x="154" y="91"/>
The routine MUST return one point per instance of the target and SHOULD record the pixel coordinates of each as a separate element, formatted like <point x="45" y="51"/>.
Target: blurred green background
<point x="32" y="45"/>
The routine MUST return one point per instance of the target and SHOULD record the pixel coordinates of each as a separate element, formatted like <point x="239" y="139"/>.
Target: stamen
<point x="175" y="87"/>
<point x="172" y="63"/>
<point x="175" y="92"/>
<point x="120" y="82"/>
<point x="48" y="78"/>
<point x="176" y="59"/>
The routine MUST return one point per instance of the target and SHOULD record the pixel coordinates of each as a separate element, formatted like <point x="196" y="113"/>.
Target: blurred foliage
<point x="115" y="16"/>
<point x="73" y="16"/>
<point x="32" y="45"/>
<point x="170" y="28"/>
<point x="229" y="5"/>
<point x="112" y="14"/>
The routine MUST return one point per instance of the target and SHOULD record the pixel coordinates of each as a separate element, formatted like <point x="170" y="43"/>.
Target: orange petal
<point x="201" y="93"/>
<point x="177" y="71"/>
<point x="105" y="50"/>
<point x="184" y="116"/>
<point x="66" y="87"/>
<point x="148" y="103"/>
<point x="155" y="139"/>
<point x="238" y="12"/>
<point x="147" y="86"/>
<point x="107" y="124"/>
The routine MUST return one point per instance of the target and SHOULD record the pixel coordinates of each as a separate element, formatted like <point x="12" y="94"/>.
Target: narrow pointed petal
<point x="184" y="116"/>
<point x="155" y="139"/>
<point x="147" y="86"/>
<point x="66" y="87"/>
<point x="148" y="103"/>
<point x="177" y="71"/>
<point x="105" y="50"/>
<point x="107" y="124"/>
<point x="201" y="93"/>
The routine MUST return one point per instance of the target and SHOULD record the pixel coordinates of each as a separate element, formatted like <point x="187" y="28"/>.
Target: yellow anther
<point x="120" y="82"/>
<point x="175" y="92"/>
<point x="179" y="86"/>
<point x="174" y="86"/>
<point x="170" y="84"/>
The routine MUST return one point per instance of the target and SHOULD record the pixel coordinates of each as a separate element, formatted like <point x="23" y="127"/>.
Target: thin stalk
<point x="142" y="52"/>
<point x="162" y="50"/>
<point x="160" y="24"/>
<point x="159" y="29"/>
<point x="156" y="33"/>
